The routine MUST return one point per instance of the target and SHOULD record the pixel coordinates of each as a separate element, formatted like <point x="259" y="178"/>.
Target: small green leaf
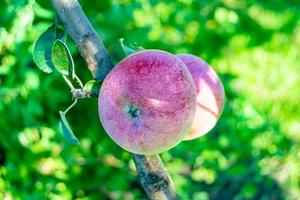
<point x="61" y="58"/>
<point x="66" y="129"/>
<point x="42" y="50"/>
<point x="129" y="50"/>
<point x="92" y="87"/>
<point x="89" y="85"/>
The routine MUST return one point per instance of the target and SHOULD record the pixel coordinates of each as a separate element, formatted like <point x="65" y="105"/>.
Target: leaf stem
<point x="78" y="80"/>
<point x="68" y="82"/>
<point x="71" y="106"/>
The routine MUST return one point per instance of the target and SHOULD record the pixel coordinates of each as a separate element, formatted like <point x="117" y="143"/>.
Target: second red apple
<point x="210" y="95"/>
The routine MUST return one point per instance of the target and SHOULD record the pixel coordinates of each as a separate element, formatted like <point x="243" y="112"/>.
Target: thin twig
<point x="80" y="93"/>
<point x="153" y="175"/>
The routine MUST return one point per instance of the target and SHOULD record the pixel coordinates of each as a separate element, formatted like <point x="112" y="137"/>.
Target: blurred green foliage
<point x="252" y="153"/>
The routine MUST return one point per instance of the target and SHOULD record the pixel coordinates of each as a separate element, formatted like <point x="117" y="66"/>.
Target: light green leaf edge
<point x="62" y="58"/>
<point x="42" y="50"/>
<point x="66" y="129"/>
<point x="89" y="85"/>
<point x="129" y="50"/>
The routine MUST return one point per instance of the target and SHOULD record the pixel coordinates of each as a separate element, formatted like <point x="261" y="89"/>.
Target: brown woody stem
<point x="154" y="177"/>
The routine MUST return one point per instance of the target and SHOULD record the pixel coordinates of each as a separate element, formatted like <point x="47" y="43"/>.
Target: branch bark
<point x="84" y="35"/>
<point x="154" y="177"/>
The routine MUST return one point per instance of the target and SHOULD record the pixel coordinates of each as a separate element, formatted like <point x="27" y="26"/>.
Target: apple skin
<point x="210" y="95"/>
<point x="147" y="102"/>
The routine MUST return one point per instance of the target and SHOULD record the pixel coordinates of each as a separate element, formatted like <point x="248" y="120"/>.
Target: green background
<point x="252" y="153"/>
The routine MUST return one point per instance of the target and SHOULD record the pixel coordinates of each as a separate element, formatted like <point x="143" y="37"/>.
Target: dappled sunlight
<point x="251" y="153"/>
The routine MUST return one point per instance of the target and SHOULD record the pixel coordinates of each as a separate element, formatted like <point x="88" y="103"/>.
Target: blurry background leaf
<point x="42" y="12"/>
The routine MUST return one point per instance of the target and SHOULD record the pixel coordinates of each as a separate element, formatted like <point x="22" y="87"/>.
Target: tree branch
<point x="80" y="93"/>
<point x="153" y="175"/>
<point x="82" y="32"/>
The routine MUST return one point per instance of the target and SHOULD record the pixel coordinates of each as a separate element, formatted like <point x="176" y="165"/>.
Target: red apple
<point x="147" y="102"/>
<point x="210" y="95"/>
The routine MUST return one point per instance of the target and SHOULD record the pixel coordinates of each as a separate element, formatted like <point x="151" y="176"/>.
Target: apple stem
<point x="154" y="177"/>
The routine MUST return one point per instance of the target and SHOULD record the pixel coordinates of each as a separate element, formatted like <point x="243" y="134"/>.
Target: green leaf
<point x="89" y="85"/>
<point x="61" y="58"/>
<point x="66" y="129"/>
<point x="42" y="50"/>
<point x="93" y="87"/>
<point x="43" y="47"/>
<point x="129" y="50"/>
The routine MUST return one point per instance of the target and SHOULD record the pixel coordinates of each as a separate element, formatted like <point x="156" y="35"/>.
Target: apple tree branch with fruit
<point x="148" y="103"/>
